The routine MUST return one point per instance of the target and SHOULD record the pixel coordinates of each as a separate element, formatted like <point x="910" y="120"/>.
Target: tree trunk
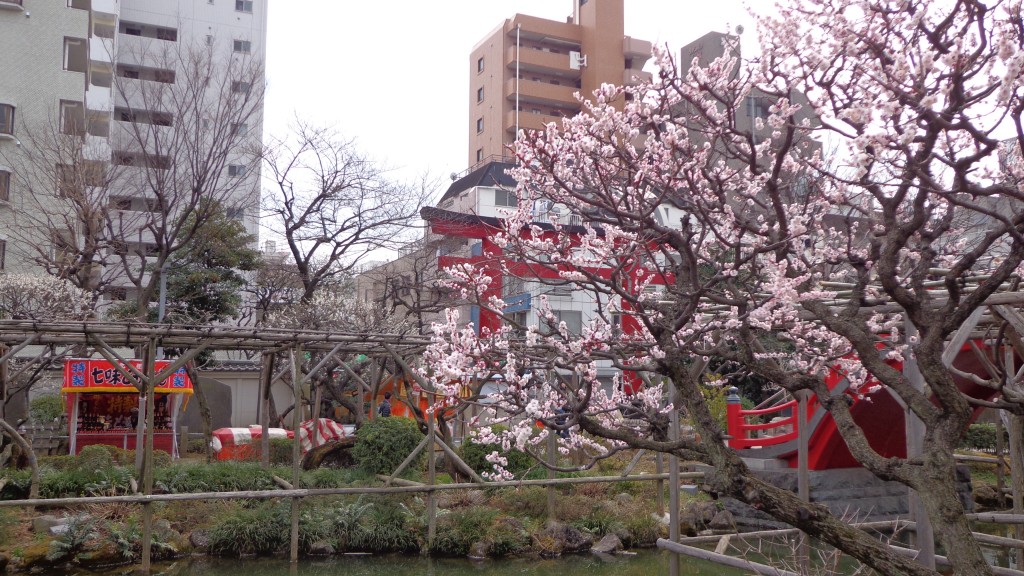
<point x="204" y="409"/>
<point x="937" y="491"/>
<point x="33" y="464"/>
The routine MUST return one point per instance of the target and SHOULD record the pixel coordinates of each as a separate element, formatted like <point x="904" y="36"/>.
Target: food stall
<point x="104" y="408"/>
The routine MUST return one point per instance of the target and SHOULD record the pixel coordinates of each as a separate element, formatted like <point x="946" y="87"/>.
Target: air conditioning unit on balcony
<point x="577" y="60"/>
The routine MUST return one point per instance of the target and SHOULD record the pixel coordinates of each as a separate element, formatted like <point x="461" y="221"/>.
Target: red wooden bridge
<point x="772" y="432"/>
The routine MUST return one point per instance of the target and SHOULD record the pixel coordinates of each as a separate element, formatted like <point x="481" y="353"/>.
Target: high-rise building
<point x="527" y="72"/>
<point x="93" y="77"/>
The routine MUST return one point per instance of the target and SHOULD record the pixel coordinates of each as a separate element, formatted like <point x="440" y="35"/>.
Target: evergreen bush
<point x="46" y="409"/>
<point x="981" y="437"/>
<point x="383" y="443"/>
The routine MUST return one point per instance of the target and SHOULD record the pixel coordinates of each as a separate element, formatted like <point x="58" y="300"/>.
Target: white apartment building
<point x="82" y="69"/>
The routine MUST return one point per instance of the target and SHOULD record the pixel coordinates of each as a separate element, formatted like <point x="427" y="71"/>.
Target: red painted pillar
<point x="490" y="321"/>
<point x="734" y="417"/>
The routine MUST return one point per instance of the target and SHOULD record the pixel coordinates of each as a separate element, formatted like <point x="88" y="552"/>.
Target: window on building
<point x="243" y="6"/>
<point x="128" y="72"/>
<point x="479" y="94"/>
<point x="3" y="254"/>
<point x="240" y="87"/>
<point x="164" y="76"/>
<point x="758" y="107"/>
<point x="243" y="46"/>
<point x="5" y="186"/>
<point x="120" y="203"/>
<point x="617" y="324"/>
<point x="479" y="124"/>
<point x="505" y="198"/>
<point x="131" y="29"/>
<point x="235" y="212"/>
<point x="77" y="4"/>
<point x="480" y="64"/>
<point x="7" y="119"/>
<point x="236" y="170"/>
<point x="72" y="118"/>
<point x="240" y="129"/>
<point x="209" y="39"/>
<point x="479" y="154"/>
<point x="169" y="34"/>
<point x="75" y="54"/>
<point x="573" y="320"/>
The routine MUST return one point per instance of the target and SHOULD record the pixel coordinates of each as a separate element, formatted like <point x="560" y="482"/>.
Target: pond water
<point x="644" y="563"/>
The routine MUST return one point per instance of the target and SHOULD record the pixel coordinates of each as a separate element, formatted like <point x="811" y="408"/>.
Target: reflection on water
<point x="644" y="563"/>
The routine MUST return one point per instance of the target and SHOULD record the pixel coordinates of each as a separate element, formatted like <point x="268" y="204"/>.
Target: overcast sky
<point x="394" y="75"/>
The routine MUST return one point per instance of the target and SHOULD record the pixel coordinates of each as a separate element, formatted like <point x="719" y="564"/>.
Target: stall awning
<point x="90" y="376"/>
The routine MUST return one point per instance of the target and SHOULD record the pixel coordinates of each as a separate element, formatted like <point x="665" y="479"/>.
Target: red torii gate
<point x="484" y="228"/>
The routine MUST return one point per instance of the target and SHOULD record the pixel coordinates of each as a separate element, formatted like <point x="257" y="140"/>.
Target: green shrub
<point x="94" y="475"/>
<point x="8" y="520"/>
<point x="643" y="528"/>
<point x="383" y="528"/>
<point x="281" y="451"/>
<point x="196" y="446"/>
<point x="80" y="529"/>
<point x="981" y="437"/>
<point x="346" y="521"/>
<point x="217" y="477"/>
<point x="475" y="455"/>
<point x="459" y="529"/>
<point x="46" y="409"/>
<point x="383" y="443"/>
<point x="507" y="537"/>
<point x="17" y="485"/>
<point x="261" y="530"/>
<point x="531" y="501"/>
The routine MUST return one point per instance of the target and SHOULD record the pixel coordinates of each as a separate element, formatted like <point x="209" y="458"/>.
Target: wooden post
<point x="803" y="476"/>
<point x="659" y="485"/>
<point x="3" y="382"/>
<point x="149" y="358"/>
<point x="73" y="426"/>
<point x="673" y="489"/>
<point x="431" y="480"/>
<point x="183" y="440"/>
<point x="296" y="447"/>
<point x="1016" y="449"/>
<point x="915" y="447"/>
<point x="319" y="397"/>
<point x="552" y="459"/>
<point x="266" y="382"/>
<point x="1000" y="450"/>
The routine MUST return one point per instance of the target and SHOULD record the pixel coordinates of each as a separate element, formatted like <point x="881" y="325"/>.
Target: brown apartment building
<point x="527" y="72"/>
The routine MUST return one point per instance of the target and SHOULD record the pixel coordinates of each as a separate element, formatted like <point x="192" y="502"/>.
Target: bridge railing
<point x="745" y="434"/>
